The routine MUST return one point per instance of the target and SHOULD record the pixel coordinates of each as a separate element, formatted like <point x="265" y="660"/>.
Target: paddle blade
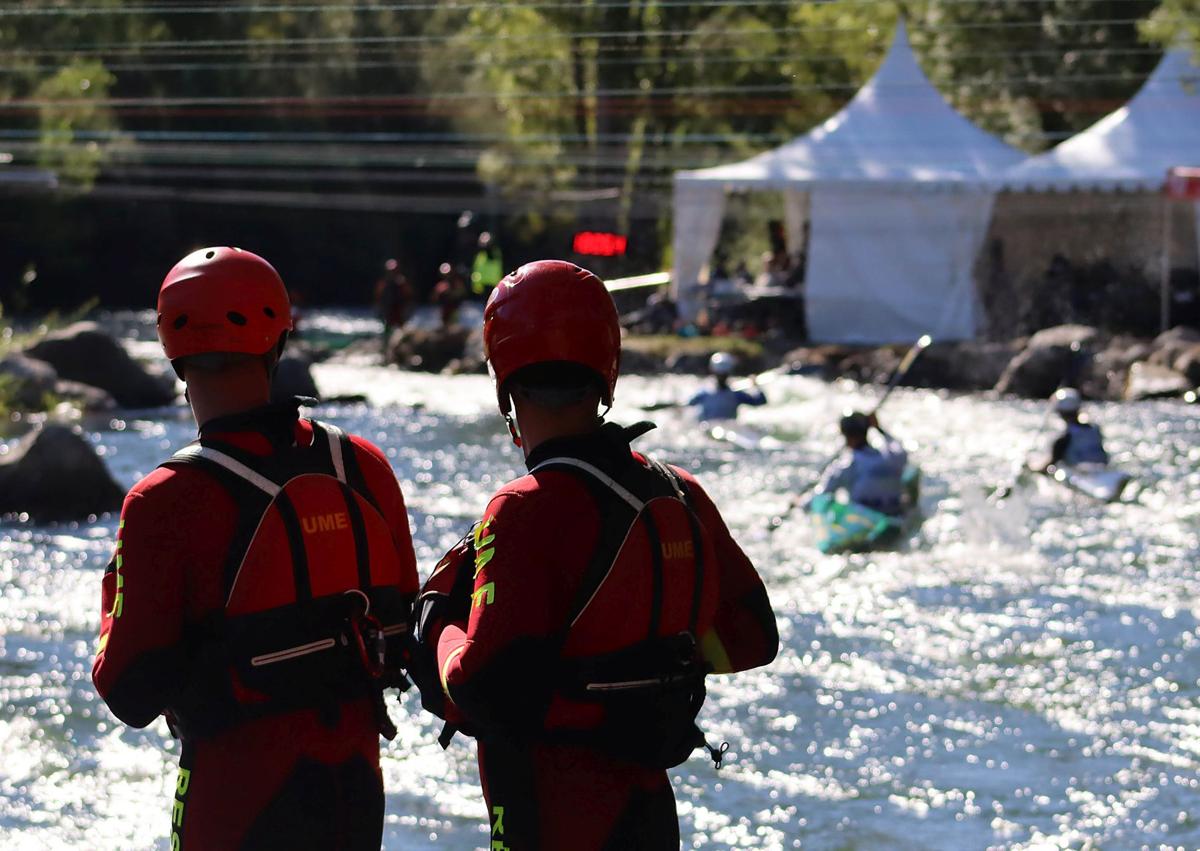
<point x="917" y="348"/>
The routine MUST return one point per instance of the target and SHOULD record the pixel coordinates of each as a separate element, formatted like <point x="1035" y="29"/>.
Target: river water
<point x="1016" y="677"/>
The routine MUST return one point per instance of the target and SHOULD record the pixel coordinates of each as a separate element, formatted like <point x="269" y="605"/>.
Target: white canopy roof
<point x="1132" y="148"/>
<point x="898" y="129"/>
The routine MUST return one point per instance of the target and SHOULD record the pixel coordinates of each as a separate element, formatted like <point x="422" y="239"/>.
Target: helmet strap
<point x="271" y="359"/>
<point x="513" y="429"/>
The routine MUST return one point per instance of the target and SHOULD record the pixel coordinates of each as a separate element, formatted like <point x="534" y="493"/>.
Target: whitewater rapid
<point x="1016" y="677"/>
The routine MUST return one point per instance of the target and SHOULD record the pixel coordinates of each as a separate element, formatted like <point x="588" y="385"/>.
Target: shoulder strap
<point x="344" y="458"/>
<point x="255" y="482"/>
<point x="345" y="468"/>
<point x="197" y="451"/>
<point x="251" y="491"/>
<point x="617" y="517"/>
<point x="596" y="473"/>
<point x="685" y="496"/>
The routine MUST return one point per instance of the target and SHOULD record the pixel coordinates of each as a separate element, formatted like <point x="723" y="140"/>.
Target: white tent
<point x="897" y="188"/>
<point x="1130" y="149"/>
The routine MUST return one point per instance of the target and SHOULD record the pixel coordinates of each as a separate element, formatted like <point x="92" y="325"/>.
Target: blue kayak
<point x="848" y="527"/>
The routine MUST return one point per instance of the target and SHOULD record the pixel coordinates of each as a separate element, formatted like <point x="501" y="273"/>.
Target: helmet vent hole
<point x="180" y="321"/>
<point x="236" y="318"/>
<point x="269" y="312"/>
<point x="210" y="255"/>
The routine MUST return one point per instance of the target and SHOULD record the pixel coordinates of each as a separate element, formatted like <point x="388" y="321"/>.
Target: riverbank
<point x="1103" y="366"/>
<point x="86" y="368"/>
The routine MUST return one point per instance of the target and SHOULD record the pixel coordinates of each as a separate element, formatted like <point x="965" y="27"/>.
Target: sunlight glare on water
<point x="1015" y="677"/>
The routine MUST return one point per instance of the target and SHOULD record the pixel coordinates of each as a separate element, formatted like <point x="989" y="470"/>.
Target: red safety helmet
<point x="551" y="310"/>
<point x="222" y="300"/>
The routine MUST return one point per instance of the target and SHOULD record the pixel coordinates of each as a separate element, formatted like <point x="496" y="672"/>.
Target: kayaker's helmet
<point x="1067" y="400"/>
<point x="222" y="300"/>
<point x="855" y="424"/>
<point x="722" y="363"/>
<point x="551" y="311"/>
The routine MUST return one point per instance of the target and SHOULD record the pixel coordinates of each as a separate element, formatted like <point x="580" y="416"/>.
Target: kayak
<point x="848" y="527"/>
<point x="1098" y="481"/>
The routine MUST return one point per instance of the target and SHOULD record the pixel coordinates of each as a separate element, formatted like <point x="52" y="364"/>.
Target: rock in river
<point x="84" y="353"/>
<point x="53" y="473"/>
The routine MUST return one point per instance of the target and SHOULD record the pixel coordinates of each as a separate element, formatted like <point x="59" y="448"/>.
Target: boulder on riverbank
<point x="84" y="397"/>
<point x="84" y="353"/>
<point x="427" y="349"/>
<point x="1153" y="381"/>
<point x="54" y="474"/>
<point x="1187" y="364"/>
<point x="293" y="377"/>
<point x="29" y="383"/>
<point x="1051" y="357"/>
<point x="965" y="365"/>
<point x="1170" y="345"/>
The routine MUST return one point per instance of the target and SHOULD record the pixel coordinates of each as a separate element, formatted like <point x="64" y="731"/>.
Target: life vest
<point x="876" y="478"/>
<point x="313" y="613"/>
<point x="1084" y="445"/>
<point x="646" y="677"/>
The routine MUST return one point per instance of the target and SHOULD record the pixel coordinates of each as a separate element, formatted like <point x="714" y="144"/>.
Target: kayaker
<point x="722" y="401"/>
<point x="872" y="475"/>
<point x="261" y="587"/>
<point x="1080" y="442"/>
<point x="571" y="632"/>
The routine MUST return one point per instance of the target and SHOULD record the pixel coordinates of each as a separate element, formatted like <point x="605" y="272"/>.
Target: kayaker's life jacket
<point x="722" y="403"/>
<point x="313" y="614"/>
<point x="1085" y="445"/>
<point x="873" y="477"/>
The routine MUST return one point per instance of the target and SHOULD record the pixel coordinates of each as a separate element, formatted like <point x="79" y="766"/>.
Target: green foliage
<point x="569" y="112"/>
<point x="1174" y="23"/>
<point x="662" y="346"/>
<point x="68" y="107"/>
<point x="10" y="400"/>
<point x="1039" y="71"/>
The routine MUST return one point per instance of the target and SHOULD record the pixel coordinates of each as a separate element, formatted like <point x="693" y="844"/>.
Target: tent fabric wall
<point x="699" y="209"/>
<point x="795" y="216"/>
<point x="887" y="265"/>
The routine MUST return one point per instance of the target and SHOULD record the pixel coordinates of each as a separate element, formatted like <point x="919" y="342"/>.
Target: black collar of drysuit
<point x="276" y="421"/>
<point x="606" y="448"/>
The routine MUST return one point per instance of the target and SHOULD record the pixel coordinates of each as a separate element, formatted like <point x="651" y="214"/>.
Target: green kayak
<point x="847" y="527"/>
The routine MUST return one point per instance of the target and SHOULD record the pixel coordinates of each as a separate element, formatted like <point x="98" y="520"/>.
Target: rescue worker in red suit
<point x="571" y="632"/>
<point x="261" y="587"/>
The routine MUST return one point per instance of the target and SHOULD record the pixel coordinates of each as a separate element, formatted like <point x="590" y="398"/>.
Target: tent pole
<point x="1165" y="267"/>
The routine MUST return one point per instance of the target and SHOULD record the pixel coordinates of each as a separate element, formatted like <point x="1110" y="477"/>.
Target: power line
<point x="329" y="41"/>
<point x="259" y="8"/>
<point x="324" y="138"/>
<point x="647" y="207"/>
<point x="638" y="95"/>
<point x="683" y="54"/>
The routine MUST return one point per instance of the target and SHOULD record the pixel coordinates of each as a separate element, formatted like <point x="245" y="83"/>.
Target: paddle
<point x="1004" y="491"/>
<point x="898" y="374"/>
